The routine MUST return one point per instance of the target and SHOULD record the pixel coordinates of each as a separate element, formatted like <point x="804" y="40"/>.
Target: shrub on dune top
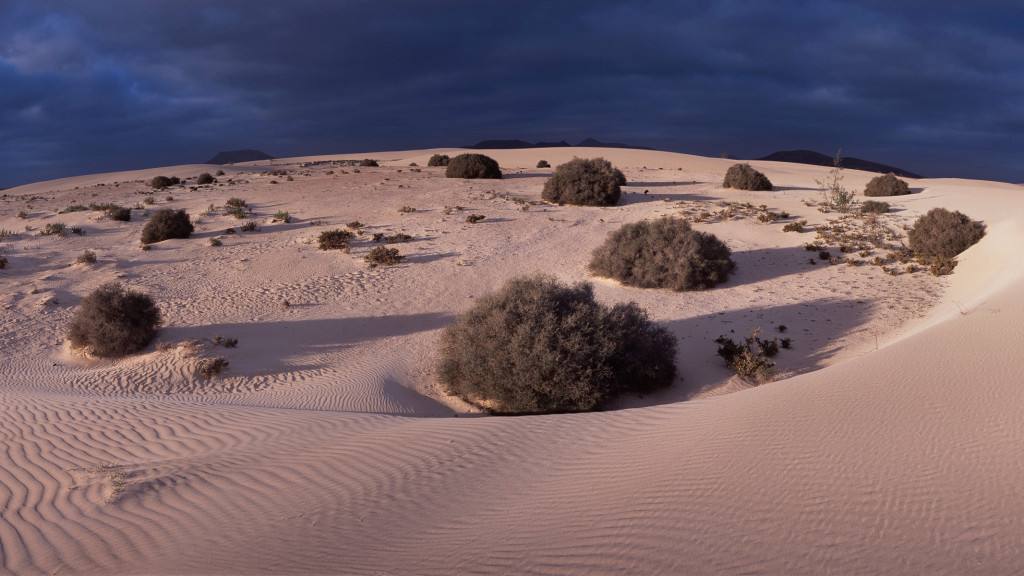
<point x="745" y="177"/>
<point x="438" y="160"/>
<point x="663" y="253"/>
<point x="887" y="185"/>
<point x="114" y="321"/>
<point x="473" y="166"/>
<point x="539" y="346"/>
<point x="944" y="234"/>
<point x="585" y="182"/>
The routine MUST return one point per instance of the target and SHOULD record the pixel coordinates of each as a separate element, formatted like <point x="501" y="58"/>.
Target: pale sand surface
<point x="891" y="443"/>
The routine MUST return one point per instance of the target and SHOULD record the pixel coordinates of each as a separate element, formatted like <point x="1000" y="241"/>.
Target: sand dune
<point x="891" y="443"/>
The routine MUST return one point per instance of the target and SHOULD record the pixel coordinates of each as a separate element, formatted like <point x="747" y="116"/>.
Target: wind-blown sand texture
<point x="891" y="443"/>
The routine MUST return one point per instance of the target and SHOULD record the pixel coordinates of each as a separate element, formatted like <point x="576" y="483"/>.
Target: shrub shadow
<point x="753" y="266"/>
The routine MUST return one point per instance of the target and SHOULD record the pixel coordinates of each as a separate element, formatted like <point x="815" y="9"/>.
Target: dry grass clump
<point x="381" y="255"/>
<point x="664" y="253"/>
<point x="406" y="210"/>
<point x="745" y="177"/>
<point x="205" y="178"/>
<point x="797" y="226"/>
<point x="941" y="233"/>
<point x="87" y="257"/>
<point x="210" y="367"/>
<point x="585" y="182"/>
<point x="167" y="223"/>
<point x="750" y="358"/>
<point x="874" y="207"/>
<point x="54" y="229"/>
<point x="282" y="216"/>
<point x="538" y="346"/>
<point x="887" y="185"/>
<point x="474" y="218"/>
<point x="113" y="211"/>
<point x="438" y="160"/>
<point x="335" y="239"/>
<point x="473" y="166"/>
<point x="114" y="321"/>
<point x="368" y="163"/>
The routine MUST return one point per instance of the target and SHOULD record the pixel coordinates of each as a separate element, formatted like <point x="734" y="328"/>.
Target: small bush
<point x="768" y="217"/>
<point x="543" y="164"/>
<point x="355" y="224"/>
<point x="584" y="182"/>
<point x="250" y="226"/>
<point x="887" y="185"/>
<point x="282" y="216"/>
<point x="745" y="177"/>
<point x="161" y="182"/>
<point x="394" y="239"/>
<point x="238" y="213"/>
<point x="945" y="234"/>
<point x="113" y="211"/>
<point x="165" y="224"/>
<point x="230" y="231"/>
<point x="438" y="160"/>
<point x="148" y="200"/>
<point x="335" y="239"/>
<point x="664" y="253"/>
<point x="54" y="229"/>
<point x="473" y="166"/>
<point x="220" y="172"/>
<point x="235" y="203"/>
<point x="74" y="208"/>
<point x="368" y="163"/>
<point x="874" y="207"/>
<point x="750" y="359"/>
<point x="474" y="218"/>
<point x="539" y="346"/>
<point x="87" y="257"/>
<point x="210" y="367"/>
<point x="205" y="178"/>
<point x="797" y="226"/>
<point x="382" y="255"/>
<point x="3" y="262"/>
<point x="22" y="214"/>
<point x="406" y="210"/>
<point x="214" y="241"/>
<point x="113" y="321"/>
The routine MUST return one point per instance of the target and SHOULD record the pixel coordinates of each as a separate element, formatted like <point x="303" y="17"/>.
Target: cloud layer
<point x="930" y="86"/>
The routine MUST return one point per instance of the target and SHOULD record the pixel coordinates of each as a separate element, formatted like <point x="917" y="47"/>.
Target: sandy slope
<point x="325" y="447"/>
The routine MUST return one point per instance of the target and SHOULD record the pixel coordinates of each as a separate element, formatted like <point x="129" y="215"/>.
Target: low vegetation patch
<point x="335" y="239"/>
<point x="745" y="177"/>
<point x="87" y="257"/>
<point x="474" y="218"/>
<point x="664" y="253"/>
<point x="874" y="207"/>
<point x="210" y="367"/>
<point x="282" y="216"/>
<point x="166" y="224"/>
<point x="114" y="321"/>
<point x="205" y="178"/>
<point x="473" y="166"/>
<point x="887" y="185"/>
<point x="113" y="211"/>
<point x="368" y="163"/>
<point x="382" y="255"/>
<point x="54" y="229"/>
<point x="941" y="233"/>
<point x="797" y="226"/>
<point x="750" y="359"/>
<point x="438" y="160"/>
<point x="161" y="182"/>
<point x="539" y="346"/>
<point x="543" y="164"/>
<point x="584" y="182"/>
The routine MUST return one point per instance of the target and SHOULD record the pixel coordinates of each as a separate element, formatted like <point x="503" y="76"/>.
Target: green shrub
<point x="382" y="255"/>
<point x="283" y="216"/>
<point x="887" y="185"/>
<point x="664" y="253"/>
<point x="539" y="346"/>
<point x="54" y="229"/>
<point x="250" y="226"/>
<point x="74" y="208"/>
<point x="368" y="162"/>
<point x="335" y="239"/>
<point x="874" y="207"/>
<point x="214" y="241"/>
<point x="113" y="211"/>
<point x="584" y="182"/>
<point x="204" y="178"/>
<point x="235" y="203"/>
<point x="160" y="182"/>
<point x="473" y="166"/>
<point x="944" y="234"/>
<point x="750" y="359"/>
<point x="543" y="164"/>
<point x="166" y="224"/>
<point x="438" y="160"/>
<point x="113" y="321"/>
<point x="744" y="177"/>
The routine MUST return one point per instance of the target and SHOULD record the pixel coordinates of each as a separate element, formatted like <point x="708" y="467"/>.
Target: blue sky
<point x="934" y="87"/>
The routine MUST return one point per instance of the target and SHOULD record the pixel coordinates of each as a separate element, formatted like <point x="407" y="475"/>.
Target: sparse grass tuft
<point x="87" y="257"/>
<point x="283" y="216"/>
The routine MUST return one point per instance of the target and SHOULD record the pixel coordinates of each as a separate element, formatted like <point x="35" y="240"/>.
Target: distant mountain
<point x="818" y="159"/>
<point x="516" y="144"/>
<point x="235" y="156"/>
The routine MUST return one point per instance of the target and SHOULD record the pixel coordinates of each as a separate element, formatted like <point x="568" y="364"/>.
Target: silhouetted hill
<point x="235" y="156"/>
<point x="818" y="159"/>
<point x="501" y="145"/>
<point x="516" y="144"/>
<point x="591" y="143"/>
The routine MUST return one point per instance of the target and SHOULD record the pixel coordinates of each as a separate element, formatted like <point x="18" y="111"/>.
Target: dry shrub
<point x="160" y="182"/>
<point x="887" y="185"/>
<point x="744" y="177"/>
<point x="438" y="160"/>
<point x="335" y="239"/>
<point x="585" y="182"/>
<point x="368" y="163"/>
<point x="114" y="321"/>
<point x="538" y="346"/>
<point x="87" y="257"/>
<point x="750" y="359"/>
<point x="210" y="367"/>
<point x="874" y="207"/>
<point x="543" y="164"/>
<point x="385" y="256"/>
<point x="945" y="234"/>
<point x="664" y="253"/>
<point x="167" y="223"/>
<point x="473" y="166"/>
<point x="204" y="178"/>
<point x="474" y="218"/>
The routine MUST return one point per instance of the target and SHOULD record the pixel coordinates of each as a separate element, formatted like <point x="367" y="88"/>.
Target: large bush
<point x="113" y="321"/>
<point x="204" y="178"/>
<point x="438" y="160"/>
<point x="744" y="177"/>
<point x="473" y="166"/>
<point x="167" y="223"/>
<point x="664" y="253"/>
<point x="944" y="234"/>
<point x="539" y="346"/>
<point x="887" y="185"/>
<point x="584" y="182"/>
<point x="160" y="182"/>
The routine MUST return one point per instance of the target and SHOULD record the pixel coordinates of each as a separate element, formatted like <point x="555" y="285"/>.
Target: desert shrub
<point x="87" y="257"/>
<point x="797" y="226"/>
<point x="77" y="230"/>
<point x="835" y="195"/>
<point x="220" y="172"/>
<point x="406" y="209"/>
<point x="664" y="253"/>
<point x="874" y="207"/>
<point x="210" y="367"/>
<point x="355" y="224"/>
<point x="368" y="162"/>
<point x="204" y="178"/>
<point x="148" y="200"/>
<point x="114" y="321"/>
<point x="473" y="166"/>
<point x="887" y="185"/>
<point x="394" y="238"/>
<point x="54" y="229"/>
<point x="74" y="208"/>
<point x="283" y="216"/>
<point x="3" y="262"/>
<point x="540" y="346"/>
<point x="382" y="255"/>
<point x="543" y="164"/>
<point x="235" y="203"/>
<point x="165" y="224"/>
<point x="250" y="226"/>
<point x="768" y="217"/>
<point x="334" y="239"/>
<point x="168" y="198"/>
<point x="943" y="233"/>
<point x="214" y="241"/>
<point x="22" y="214"/>
<point x="474" y="218"/>
<point x="238" y="213"/>
<point x="750" y="358"/>
<point x="584" y="182"/>
<point x="113" y="211"/>
<point x="438" y="160"/>
<point x="160" y="182"/>
<point x="745" y="177"/>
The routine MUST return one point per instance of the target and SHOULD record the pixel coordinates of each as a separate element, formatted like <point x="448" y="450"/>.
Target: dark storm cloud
<point x="929" y="86"/>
